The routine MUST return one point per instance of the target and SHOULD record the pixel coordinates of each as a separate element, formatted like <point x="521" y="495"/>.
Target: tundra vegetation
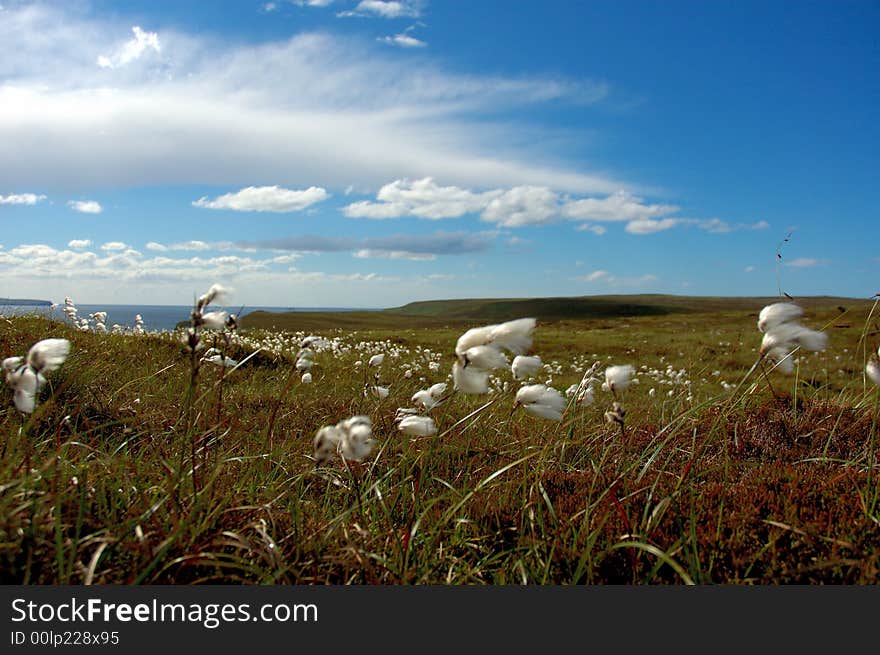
<point x="337" y="448"/>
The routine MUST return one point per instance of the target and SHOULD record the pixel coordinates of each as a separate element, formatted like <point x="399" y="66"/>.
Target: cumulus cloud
<point x="650" y="226"/>
<point x="265" y="199"/>
<point x="528" y="205"/>
<point x="598" y="230"/>
<point x="383" y="9"/>
<point x="606" y="279"/>
<point x="79" y="244"/>
<point x="438" y="243"/>
<point x="123" y="264"/>
<point x="191" y="245"/>
<point x="805" y="262"/>
<point x="596" y="275"/>
<point x="523" y="205"/>
<point x="317" y="108"/>
<point x="43" y="271"/>
<point x="619" y="206"/>
<point x="131" y="50"/>
<point x="21" y="199"/>
<point x="421" y="198"/>
<point x="712" y="225"/>
<point x="367" y="253"/>
<point x="85" y="206"/>
<point x="718" y="226"/>
<point x="403" y="41"/>
<point x="195" y="245"/>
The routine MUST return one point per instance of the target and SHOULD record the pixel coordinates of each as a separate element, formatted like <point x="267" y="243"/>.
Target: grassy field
<point x="133" y="470"/>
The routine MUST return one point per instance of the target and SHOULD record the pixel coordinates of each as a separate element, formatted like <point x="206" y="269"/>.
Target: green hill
<point x="456" y="312"/>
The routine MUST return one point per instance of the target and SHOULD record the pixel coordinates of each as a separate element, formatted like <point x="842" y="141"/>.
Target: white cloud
<point x="403" y="40"/>
<point x="367" y="253"/>
<point x="79" y="244"/>
<point x="517" y="206"/>
<point x="285" y="259"/>
<point x="649" y="226"/>
<point x="41" y="271"/>
<point x="524" y="205"/>
<point x="265" y="199"/>
<point x="718" y="226"/>
<point x="528" y="205"/>
<point x="85" y="206"/>
<point x="595" y="276"/>
<point x="191" y="245"/>
<point x="131" y="50"/>
<point x="316" y="108"/>
<point x="121" y="264"/>
<point x="313" y="3"/>
<point x="806" y="262"/>
<point x="595" y="229"/>
<point x="21" y="199"/>
<point x="619" y="206"/>
<point x="606" y="279"/>
<point x="383" y="9"/>
<point x="422" y="198"/>
<point x="749" y="269"/>
<point x="194" y="245"/>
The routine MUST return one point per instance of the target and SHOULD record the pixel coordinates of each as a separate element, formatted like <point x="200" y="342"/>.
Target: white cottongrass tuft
<point x="515" y="336"/>
<point x="326" y="443"/>
<point x="210" y="320"/>
<point x="479" y="350"/>
<point x="26" y="377"/>
<point x="542" y="401"/>
<point x="306" y="378"/>
<point x="524" y="366"/>
<point x="376" y="360"/>
<point x="431" y="397"/>
<point x="470" y="380"/>
<point x="417" y="426"/>
<point x="377" y="391"/>
<point x="357" y="440"/>
<point x="217" y="293"/>
<point x="47" y="355"/>
<point x="618" y="378"/>
<point x="213" y="320"/>
<point x="783" y="335"/>
<point x="352" y="439"/>
<point x="790" y="335"/>
<point x="616" y="414"/>
<point x="484" y="357"/>
<point x="583" y="393"/>
<point x="873" y="371"/>
<point x="777" y="313"/>
<point x="220" y="360"/>
<point x="782" y="359"/>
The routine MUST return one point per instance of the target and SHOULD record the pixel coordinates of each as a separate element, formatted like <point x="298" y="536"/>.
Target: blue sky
<point x="371" y="153"/>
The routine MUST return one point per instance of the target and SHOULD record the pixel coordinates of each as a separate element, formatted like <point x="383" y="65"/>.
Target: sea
<point x="156" y="317"/>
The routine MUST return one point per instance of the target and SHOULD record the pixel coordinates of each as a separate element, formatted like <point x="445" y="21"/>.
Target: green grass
<point x="118" y="478"/>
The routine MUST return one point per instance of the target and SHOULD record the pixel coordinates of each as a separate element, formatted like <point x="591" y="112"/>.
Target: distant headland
<point x="25" y="302"/>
